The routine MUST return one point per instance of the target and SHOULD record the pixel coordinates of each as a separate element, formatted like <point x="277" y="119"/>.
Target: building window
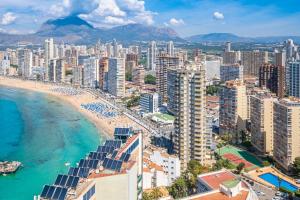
<point x="89" y="193"/>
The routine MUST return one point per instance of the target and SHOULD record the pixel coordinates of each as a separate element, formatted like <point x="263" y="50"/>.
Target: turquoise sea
<point x="43" y="133"/>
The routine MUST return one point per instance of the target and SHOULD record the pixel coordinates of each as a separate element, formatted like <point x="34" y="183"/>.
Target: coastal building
<point x="91" y="72"/>
<point x="78" y="75"/>
<point x="49" y="53"/>
<point x="280" y="63"/>
<point x="151" y="56"/>
<point x="164" y="63"/>
<point x="231" y="72"/>
<point x="286" y="131"/>
<point x="233" y="107"/>
<point x="4" y="65"/>
<point x="138" y="75"/>
<point x="113" y="171"/>
<point x="222" y="185"/>
<point x="268" y="77"/>
<point x="252" y="60"/>
<point x="293" y="78"/>
<point x="150" y="103"/>
<point x="25" y="62"/>
<point x="261" y="117"/>
<point x="103" y="73"/>
<point x="170" y="49"/>
<point x="231" y="57"/>
<point x="116" y="77"/>
<point x="189" y="109"/>
<point x="56" y="71"/>
<point x="160" y="168"/>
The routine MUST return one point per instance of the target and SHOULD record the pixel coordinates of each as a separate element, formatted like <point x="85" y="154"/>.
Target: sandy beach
<point x="105" y="126"/>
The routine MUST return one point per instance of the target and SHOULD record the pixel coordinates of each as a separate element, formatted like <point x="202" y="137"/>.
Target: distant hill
<point x="72" y="29"/>
<point x="224" y="37"/>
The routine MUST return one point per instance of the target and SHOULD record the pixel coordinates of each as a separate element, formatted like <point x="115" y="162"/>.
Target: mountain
<point x="224" y="37"/>
<point x="72" y="29"/>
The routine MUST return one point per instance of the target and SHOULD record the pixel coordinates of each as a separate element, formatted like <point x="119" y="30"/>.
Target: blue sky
<point x="187" y="17"/>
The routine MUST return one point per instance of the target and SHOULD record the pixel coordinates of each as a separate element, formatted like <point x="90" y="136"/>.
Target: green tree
<point x="179" y="188"/>
<point x="240" y="167"/>
<point x="134" y="101"/>
<point x="266" y="163"/>
<point x="296" y="166"/>
<point x="212" y="90"/>
<point x="146" y="196"/>
<point x="149" y="79"/>
<point x="156" y="194"/>
<point x="195" y="167"/>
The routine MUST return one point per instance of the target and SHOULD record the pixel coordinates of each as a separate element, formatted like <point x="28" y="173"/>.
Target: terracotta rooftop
<point x="220" y="196"/>
<point x="214" y="180"/>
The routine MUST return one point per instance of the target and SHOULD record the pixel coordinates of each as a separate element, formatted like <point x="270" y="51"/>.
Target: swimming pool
<point x="274" y="180"/>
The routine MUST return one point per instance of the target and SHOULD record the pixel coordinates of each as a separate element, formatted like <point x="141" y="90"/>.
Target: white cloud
<point x="8" y="18"/>
<point x="176" y="22"/>
<point x="218" y="15"/>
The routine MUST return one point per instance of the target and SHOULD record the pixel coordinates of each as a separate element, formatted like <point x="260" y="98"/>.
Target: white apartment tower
<point x="151" y="56"/>
<point x="116" y="77"/>
<point x="91" y="72"/>
<point x="49" y="53"/>
<point x="170" y="49"/>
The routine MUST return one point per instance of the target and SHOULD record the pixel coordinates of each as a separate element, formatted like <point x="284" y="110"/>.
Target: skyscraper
<point x="116" y="77"/>
<point x="228" y="47"/>
<point x="233" y="107"/>
<point x="91" y="72"/>
<point x="261" y="117"/>
<point x="151" y="56"/>
<point x="103" y="72"/>
<point x="170" y="49"/>
<point x="231" y="72"/>
<point x="252" y="60"/>
<point x="189" y="108"/>
<point x="164" y="63"/>
<point x="268" y="77"/>
<point x="56" y="72"/>
<point x="115" y="49"/>
<point x="49" y="53"/>
<point x="231" y="57"/>
<point x="286" y="131"/>
<point x="25" y="62"/>
<point x="293" y="78"/>
<point x="280" y="63"/>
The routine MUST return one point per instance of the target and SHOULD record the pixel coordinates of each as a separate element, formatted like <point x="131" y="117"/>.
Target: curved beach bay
<point x="43" y="133"/>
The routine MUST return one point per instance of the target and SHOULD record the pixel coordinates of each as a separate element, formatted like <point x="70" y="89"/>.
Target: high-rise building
<point x="228" y="47"/>
<point x="231" y="72"/>
<point x="151" y="56"/>
<point x="103" y="73"/>
<point x="233" y="107"/>
<point x="231" y="57"/>
<point x="293" y="78"/>
<point x="280" y="63"/>
<point x="4" y="65"/>
<point x="286" y="131"/>
<point x="291" y="50"/>
<point x="261" y="117"/>
<point x="56" y="72"/>
<point x="25" y="63"/>
<point x="138" y="75"/>
<point x="189" y="108"/>
<point x="170" y="49"/>
<point x="268" y="77"/>
<point x="49" y="53"/>
<point x="252" y="60"/>
<point x="116" y="77"/>
<point x="115" y="49"/>
<point x="91" y="72"/>
<point x="78" y="75"/>
<point x="150" y="103"/>
<point x="164" y="63"/>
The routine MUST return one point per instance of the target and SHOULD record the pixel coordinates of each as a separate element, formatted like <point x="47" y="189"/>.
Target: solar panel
<point x="113" y="143"/>
<point x="63" y="180"/>
<point x="57" y="193"/>
<point x="75" y="182"/>
<point x="126" y="157"/>
<point x="119" y="166"/>
<point x="45" y="191"/>
<point x="63" y="194"/>
<point x="97" y="155"/>
<point x="69" y="182"/>
<point x="114" y="154"/>
<point x="83" y="172"/>
<point x="50" y="192"/>
<point x="58" y="179"/>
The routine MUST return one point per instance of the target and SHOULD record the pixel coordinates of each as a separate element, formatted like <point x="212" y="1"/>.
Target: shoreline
<point x="105" y="126"/>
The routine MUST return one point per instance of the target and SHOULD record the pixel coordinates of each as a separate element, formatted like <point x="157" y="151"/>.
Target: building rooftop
<point x="221" y="196"/>
<point x="213" y="180"/>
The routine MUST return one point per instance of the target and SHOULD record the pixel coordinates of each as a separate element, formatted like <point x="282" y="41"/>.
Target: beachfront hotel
<point x="189" y="108"/>
<point x="113" y="171"/>
<point x="286" y="131"/>
<point x="261" y="116"/>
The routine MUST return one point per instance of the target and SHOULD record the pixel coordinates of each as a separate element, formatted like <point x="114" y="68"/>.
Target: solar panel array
<point x="54" y="192"/>
<point x="122" y="131"/>
<point x="97" y="156"/>
<point x="90" y="163"/>
<point x="67" y="181"/>
<point x="105" y="149"/>
<point x="112" y="164"/>
<point x="79" y="171"/>
<point x="113" y="143"/>
<point x="125" y="157"/>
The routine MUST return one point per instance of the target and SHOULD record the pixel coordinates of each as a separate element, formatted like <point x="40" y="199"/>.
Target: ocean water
<point x="43" y="133"/>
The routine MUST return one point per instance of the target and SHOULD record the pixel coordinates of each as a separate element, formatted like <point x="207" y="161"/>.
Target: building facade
<point x="252" y="60"/>
<point x="116" y="77"/>
<point x="231" y="72"/>
<point x="150" y="103"/>
<point x="268" y="77"/>
<point x="293" y="78"/>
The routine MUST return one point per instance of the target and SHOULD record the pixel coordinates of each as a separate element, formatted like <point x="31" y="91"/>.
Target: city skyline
<point x="187" y="17"/>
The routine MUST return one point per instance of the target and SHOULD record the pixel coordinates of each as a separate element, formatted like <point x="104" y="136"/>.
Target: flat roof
<point x="220" y="196"/>
<point x="214" y="180"/>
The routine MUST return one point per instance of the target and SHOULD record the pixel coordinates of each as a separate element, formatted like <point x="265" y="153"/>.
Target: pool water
<point x="274" y="180"/>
